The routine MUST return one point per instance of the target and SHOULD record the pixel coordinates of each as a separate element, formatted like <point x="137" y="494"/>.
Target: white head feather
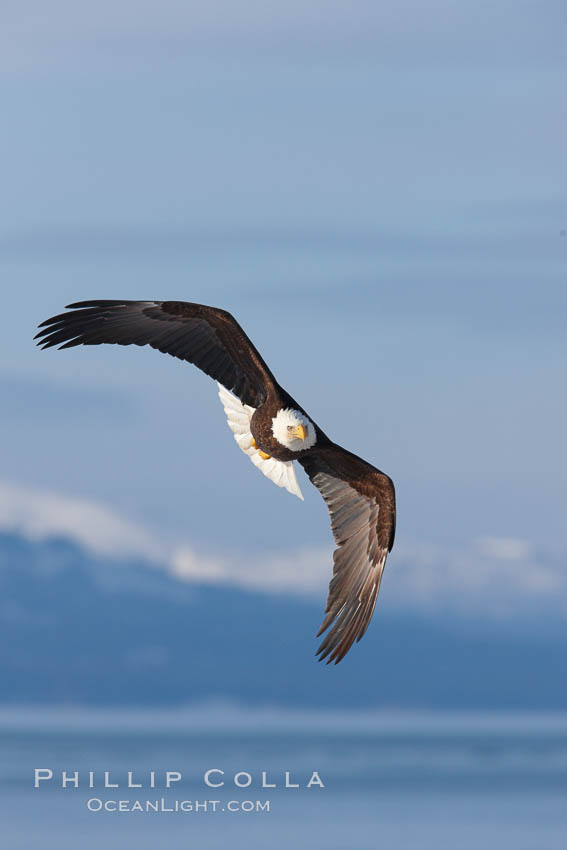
<point x="286" y="422"/>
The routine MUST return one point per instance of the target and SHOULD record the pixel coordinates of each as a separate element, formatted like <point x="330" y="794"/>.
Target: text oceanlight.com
<point x="95" y="804"/>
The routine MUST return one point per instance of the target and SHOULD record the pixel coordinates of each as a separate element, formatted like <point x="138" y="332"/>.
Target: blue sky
<point x="378" y="194"/>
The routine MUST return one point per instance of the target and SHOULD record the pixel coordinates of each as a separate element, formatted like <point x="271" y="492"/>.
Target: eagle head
<point x="293" y="429"/>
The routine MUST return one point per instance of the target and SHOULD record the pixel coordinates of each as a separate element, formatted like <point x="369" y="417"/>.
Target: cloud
<point x="497" y="577"/>
<point x="41" y="514"/>
<point x="408" y="31"/>
<point x="26" y="397"/>
<point x="505" y="548"/>
<point x="305" y="571"/>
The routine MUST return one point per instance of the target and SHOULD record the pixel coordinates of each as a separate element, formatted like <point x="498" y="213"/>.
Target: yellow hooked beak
<point x="299" y="432"/>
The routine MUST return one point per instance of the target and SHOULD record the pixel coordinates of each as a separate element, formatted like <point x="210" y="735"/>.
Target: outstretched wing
<point x="206" y="336"/>
<point x="362" y="504"/>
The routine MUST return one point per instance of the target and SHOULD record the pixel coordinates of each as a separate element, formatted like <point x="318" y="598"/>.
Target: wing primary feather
<point x="208" y="337"/>
<point x="361" y="503"/>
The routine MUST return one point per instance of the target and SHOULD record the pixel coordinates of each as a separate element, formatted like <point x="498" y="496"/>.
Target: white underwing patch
<point x="238" y="416"/>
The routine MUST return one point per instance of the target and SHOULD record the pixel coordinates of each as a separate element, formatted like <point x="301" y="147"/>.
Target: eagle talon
<point x="253" y="444"/>
<point x="263" y="455"/>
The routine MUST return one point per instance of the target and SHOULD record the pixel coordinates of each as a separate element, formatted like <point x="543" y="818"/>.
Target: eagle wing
<point x="206" y="336"/>
<point x="362" y="505"/>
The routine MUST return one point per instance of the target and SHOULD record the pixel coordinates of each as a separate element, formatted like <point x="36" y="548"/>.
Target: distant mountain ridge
<point x="79" y="629"/>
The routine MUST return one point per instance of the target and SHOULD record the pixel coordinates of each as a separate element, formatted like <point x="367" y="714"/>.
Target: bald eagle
<point x="272" y="429"/>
